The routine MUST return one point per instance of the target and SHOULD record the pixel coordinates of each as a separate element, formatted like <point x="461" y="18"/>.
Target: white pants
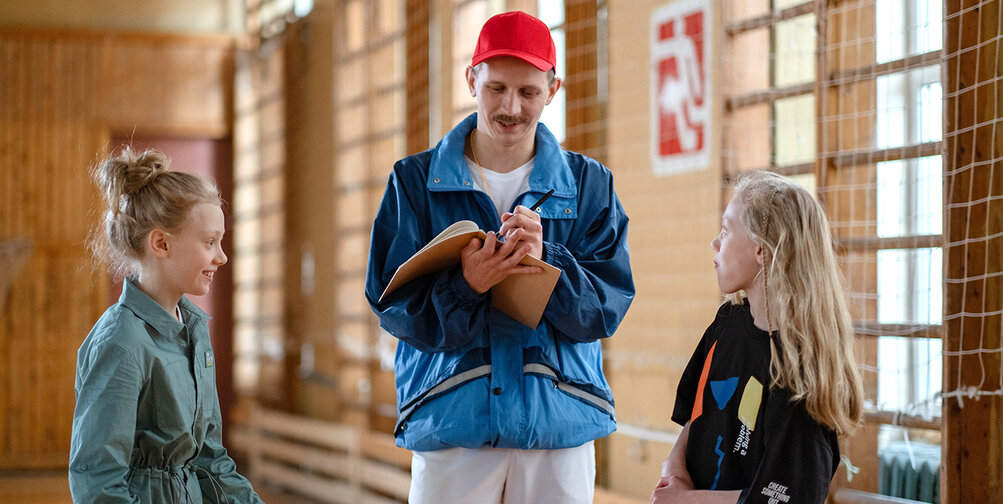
<point x="495" y="475"/>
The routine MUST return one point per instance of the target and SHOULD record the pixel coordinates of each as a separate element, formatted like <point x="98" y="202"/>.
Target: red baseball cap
<point x="519" y="35"/>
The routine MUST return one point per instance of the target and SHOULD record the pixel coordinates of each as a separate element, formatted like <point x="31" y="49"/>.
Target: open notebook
<point x="522" y="297"/>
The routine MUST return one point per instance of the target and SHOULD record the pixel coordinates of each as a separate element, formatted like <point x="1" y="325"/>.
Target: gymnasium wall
<point x="673" y="219"/>
<point x="63" y="95"/>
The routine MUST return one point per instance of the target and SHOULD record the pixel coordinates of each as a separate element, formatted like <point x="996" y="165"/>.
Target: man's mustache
<point x="509" y="120"/>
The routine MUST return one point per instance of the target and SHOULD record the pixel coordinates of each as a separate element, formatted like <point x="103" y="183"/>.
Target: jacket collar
<point x="152" y="313"/>
<point x="448" y="170"/>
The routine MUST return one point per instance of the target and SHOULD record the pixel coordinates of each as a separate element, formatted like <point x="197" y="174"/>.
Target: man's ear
<point x="553" y="88"/>
<point x="158" y="243"/>
<point x="471" y="79"/>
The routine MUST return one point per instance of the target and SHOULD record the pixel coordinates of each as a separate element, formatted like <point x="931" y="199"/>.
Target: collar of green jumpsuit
<point x="152" y="313"/>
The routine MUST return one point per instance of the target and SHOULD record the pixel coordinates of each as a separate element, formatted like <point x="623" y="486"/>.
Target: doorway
<point x="211" y="158"/>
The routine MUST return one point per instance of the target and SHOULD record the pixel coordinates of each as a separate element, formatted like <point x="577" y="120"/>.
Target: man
<point x="496" y="411"/>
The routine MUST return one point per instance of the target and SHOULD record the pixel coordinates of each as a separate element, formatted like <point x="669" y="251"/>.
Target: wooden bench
<point x="324" y="461"/>
<point x="329" y="462"/>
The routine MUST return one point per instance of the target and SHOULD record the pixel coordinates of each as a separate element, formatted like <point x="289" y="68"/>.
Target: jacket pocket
<point x="438" y="389"/>
<point x="584" y="392"/>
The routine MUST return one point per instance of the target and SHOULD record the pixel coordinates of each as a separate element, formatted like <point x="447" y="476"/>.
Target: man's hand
<point x="523" y="225"/>
<point x="488" y="262"/>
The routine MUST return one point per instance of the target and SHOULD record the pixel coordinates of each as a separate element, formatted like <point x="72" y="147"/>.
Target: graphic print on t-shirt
<point x="723" y="390"/>
<point x="776" y="492"/>
<point x="698" y="404"/>
<point x="720" y="458"/>
<point x="748" y="409"/>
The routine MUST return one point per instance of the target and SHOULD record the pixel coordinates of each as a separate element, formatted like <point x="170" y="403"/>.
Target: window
<point x="815" y="91"/>
<point x="370" y="136"/>
<point x="909" y="203"/>
<point x="268" y="18"/>
<point x="554" y="115"/>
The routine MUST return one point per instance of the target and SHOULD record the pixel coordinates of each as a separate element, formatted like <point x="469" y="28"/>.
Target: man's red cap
<point x="519" y="35"/>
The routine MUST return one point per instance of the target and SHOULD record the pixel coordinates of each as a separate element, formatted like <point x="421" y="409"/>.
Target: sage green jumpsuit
<point x="146" y="427"/>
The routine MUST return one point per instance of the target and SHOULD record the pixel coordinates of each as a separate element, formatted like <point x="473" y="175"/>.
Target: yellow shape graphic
<point x="748" y="410"/>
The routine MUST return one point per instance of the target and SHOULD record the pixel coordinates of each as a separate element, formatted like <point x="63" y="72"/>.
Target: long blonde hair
<point x="141" y="194"/>
<point x="804" y="298"/>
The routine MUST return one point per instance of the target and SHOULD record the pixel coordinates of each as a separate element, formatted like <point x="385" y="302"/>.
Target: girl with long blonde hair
<point x="773" y="382"/>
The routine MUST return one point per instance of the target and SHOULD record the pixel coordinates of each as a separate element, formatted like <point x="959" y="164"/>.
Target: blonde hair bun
<point x="128" y="173"/>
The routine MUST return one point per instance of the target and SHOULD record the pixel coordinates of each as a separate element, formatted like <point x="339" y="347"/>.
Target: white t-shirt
<point x="503" y="188"/>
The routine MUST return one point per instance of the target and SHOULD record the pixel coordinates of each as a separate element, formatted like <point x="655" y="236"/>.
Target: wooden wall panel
<point x="156" y="84"/>
<point x="61" y="93"/>
<point x="259" y="215"/>
<point x="188" y="16"/>
<point x="311" y="235"/>
<point x="56" y="297"/>
<point x="846" y="122"/>
<point x="366" y="123"/>
<point x="418" y="67"/>
<point x="585" y="107"/>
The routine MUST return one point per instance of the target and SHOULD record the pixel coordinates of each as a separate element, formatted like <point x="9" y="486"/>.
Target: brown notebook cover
<point x="522" y="296"/>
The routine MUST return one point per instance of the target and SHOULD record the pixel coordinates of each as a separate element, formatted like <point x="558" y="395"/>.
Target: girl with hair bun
<point x="146" y="427"/>
<point x="773" y="382"/>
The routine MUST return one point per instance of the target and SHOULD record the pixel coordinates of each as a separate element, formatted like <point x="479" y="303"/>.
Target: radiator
<point x="916" y="477"/>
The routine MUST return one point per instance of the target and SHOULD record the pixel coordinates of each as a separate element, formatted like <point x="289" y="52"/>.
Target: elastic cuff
<point x="551" y="254"/>
<point x="464" y="295"/>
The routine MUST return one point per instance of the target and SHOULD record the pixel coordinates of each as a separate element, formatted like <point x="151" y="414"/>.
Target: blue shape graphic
<point x="723" y="390"/>
<point x="720" y="458"/>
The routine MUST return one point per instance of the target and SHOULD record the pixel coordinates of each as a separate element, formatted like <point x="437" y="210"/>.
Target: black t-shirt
<point x="743" y="435"/>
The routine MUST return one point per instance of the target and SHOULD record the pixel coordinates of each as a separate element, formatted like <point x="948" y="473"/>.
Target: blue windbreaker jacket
<point x="467" y="375"/>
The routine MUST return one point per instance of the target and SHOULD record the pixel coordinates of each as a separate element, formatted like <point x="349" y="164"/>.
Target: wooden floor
<point x="50" y="487"/>
<point x="35" y="487"/>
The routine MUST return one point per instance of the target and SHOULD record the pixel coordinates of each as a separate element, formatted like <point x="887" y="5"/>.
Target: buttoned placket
<point x="188" y="340"/>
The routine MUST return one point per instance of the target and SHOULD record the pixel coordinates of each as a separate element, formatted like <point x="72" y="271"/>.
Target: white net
<point x="864" y="107"/>
<point x="973" y="231"/>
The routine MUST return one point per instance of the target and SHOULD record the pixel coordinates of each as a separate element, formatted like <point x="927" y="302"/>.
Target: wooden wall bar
<point x="311" y="238"/>
<point x="419" y="68"/>
<point x="62" y="96"/>
<point x="585" y="107"/>
<point x="973" y="224"/>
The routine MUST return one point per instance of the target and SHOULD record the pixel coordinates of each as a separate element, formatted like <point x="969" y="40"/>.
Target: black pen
<point x="541" y="200"/>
